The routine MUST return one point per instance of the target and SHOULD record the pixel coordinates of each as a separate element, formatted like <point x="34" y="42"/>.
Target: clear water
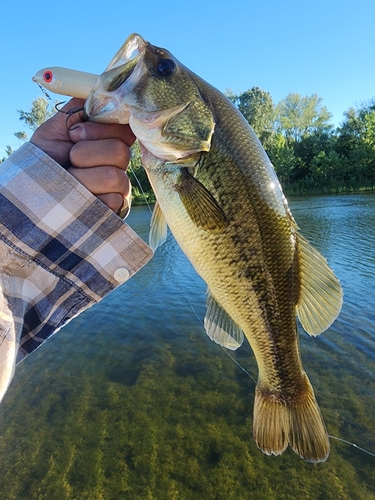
<point x="132" y="400"/>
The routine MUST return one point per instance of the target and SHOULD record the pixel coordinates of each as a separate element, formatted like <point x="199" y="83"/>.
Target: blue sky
<point x="325" y="47"/>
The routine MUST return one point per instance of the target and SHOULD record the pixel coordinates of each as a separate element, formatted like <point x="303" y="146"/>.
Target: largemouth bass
<point x="219" y="194"/>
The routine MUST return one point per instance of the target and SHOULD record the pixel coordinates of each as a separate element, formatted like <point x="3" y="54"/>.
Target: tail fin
<point x="300" y="424"/>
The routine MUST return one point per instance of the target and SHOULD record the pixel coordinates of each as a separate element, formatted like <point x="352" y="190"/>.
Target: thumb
<point x="71" y="111"/>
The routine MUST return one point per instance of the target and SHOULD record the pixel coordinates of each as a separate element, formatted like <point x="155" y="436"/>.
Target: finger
<point x="61" y="121"/>
<point x="71" y="109"/>
<point x="52" y="136"/>
<point x="103" y="180"/>
<point x="100" y="152"/>
<point x="57" y="122"/>
<point x="114" y="201"/>
<point x="93" y="131"/>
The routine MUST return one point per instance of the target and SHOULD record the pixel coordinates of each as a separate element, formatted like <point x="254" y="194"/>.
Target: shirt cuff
<point x="53" y="219"/>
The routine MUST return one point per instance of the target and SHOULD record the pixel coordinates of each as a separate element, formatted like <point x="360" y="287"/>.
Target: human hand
<point x="96" y="154"/>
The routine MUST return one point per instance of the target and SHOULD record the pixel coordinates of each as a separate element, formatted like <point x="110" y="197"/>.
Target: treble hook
<point x="69" y="112"/>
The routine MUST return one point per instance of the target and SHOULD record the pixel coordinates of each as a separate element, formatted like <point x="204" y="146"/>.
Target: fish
<point x="218" y="192"/>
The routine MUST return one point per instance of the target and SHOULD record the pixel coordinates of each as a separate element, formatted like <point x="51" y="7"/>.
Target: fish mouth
<point x="132" y="48"/>
<point x="106" y="102"/>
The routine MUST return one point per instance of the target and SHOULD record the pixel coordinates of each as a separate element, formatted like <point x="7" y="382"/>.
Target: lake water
<point x="132" y="400"/>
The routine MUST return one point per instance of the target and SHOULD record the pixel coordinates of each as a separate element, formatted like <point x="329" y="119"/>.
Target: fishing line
<point x="140" y="187"/>
<point x="238" y="364"/>
<point x="225" y="350"/>
<point x="43" y="90"/>
<point x="352" y="444"/>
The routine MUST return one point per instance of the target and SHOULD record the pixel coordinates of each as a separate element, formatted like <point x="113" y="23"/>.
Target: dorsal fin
<point x="321" y="293"/>
<point x="220" y="327"/>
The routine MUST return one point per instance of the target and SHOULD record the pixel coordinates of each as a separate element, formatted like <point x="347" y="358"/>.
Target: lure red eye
<point x="47" y="76"/>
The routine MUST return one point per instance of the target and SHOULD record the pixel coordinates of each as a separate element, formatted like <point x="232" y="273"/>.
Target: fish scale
<point x="218" y="192"/>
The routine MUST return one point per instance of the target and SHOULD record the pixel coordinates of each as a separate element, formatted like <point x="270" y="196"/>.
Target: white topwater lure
<point x="65" y="81"/>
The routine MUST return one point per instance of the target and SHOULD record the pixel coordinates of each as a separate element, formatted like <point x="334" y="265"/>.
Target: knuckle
<point x="73" y="155"/>
<point x="113" y="201"/>
<point x="113" y="180"/>
<point x="78" y="154"/>
<point x="121" y="153"/>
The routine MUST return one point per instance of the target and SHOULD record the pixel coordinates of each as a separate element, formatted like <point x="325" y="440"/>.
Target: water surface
<point x="132" y="400"/>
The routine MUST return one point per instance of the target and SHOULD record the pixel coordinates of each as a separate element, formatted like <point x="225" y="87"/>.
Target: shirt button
<point x="121" y="274"/>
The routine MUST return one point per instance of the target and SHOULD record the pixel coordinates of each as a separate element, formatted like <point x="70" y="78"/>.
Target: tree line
<point x="309" y="154"/>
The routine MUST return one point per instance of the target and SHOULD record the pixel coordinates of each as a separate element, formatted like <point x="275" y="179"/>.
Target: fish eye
<point x="166" y="67"/>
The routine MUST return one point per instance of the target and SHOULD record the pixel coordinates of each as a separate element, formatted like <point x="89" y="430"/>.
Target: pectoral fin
<point x="158" y="228"/>
<point x="201" y="206"/>
<point x="220" y="327"/>
<point x="321" y="293"/>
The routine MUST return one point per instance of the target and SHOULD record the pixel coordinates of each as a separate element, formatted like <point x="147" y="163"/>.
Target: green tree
<point x="329" y="170"/>
<point x="21" y="135"/>
<point x="141" y="188"/>
<point x="356" y="143"/>
<point x="309" y="147"/>
<point x="299" y="117"/>
<point x="350" y="133"/>
<point x="8" y="152"/>
<point x="369" y="120"/>
<point x="39" y="113"/>
<point x="258" y="108"/>
<point x="284" y="160"/>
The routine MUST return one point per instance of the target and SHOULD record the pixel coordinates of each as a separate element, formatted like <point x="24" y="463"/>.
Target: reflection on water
<point x="132" y="400"/>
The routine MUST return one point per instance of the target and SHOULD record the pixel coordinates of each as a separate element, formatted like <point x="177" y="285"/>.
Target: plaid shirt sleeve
<point x="61" y="251"/>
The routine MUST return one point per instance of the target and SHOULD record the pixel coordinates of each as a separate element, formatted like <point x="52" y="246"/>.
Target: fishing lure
<point x="66" y="81"/>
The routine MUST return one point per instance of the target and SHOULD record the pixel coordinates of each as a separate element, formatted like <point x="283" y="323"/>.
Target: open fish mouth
<point x="106" y="102"/>
<point x="133" y="47"/>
